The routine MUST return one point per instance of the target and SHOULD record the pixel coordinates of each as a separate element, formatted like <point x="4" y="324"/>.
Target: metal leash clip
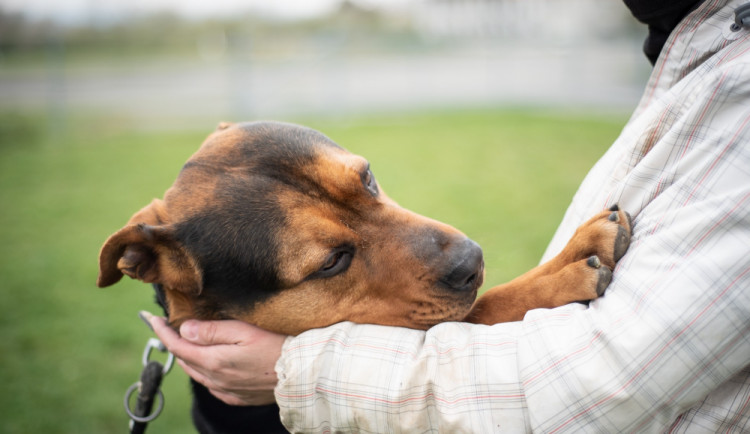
<point x="142" y="419"/>
<point x="148" y="388"/>
<point x="154" y="343"/>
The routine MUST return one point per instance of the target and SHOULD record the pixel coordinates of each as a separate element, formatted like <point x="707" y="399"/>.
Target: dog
<point x="276" y="225"/>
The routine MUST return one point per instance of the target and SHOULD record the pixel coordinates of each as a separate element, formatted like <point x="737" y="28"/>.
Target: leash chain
<point x="148" y="388"/>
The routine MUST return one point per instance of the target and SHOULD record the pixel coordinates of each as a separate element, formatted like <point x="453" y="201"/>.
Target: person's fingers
<point x="166" y="334"/>
<point x="227" y="394"/>
<point x="195" y="374"/>
<point x="215" y="354"/>
<point x="225" y="332"/>
<point x="181" y="348"/>
<point x="224" y="395"/>
<point x="205" y="376"/>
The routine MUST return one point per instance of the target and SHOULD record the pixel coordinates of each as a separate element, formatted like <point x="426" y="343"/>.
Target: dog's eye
<point x="368" y="180"/>
<point x="337" y="263"/>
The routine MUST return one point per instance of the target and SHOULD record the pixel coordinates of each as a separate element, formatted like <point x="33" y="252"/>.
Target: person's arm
<point x="673" y="326"/>
<point x="456" y="377"/>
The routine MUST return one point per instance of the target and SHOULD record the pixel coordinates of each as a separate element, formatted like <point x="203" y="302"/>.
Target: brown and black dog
<point x="276" y="225"/>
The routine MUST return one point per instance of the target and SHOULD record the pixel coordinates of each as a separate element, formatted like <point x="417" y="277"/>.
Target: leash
<point x="149" y="392"/>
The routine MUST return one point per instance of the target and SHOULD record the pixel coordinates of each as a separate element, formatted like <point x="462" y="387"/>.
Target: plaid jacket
<point x="666" y="349"/>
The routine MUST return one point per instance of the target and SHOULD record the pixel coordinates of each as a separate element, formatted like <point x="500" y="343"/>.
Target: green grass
<point x="69" y="350"/>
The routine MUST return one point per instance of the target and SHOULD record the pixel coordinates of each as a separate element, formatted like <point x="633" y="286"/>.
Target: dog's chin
<point x="441" y="308"/>
<point x="175" y="324"/>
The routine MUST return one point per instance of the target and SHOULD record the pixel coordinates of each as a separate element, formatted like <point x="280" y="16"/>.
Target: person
<point x="666" y="349"/>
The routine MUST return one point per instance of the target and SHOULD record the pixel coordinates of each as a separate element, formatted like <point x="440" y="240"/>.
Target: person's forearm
<point x="453" y="378"/>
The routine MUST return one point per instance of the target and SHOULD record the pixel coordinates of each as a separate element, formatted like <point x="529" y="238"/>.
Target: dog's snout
<point x="467" y="268"/>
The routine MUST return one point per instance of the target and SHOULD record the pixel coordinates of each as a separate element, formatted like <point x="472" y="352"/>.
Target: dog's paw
<point x="606" y="236"/>
<point x="603" y="275"/>
<point x="579" y="281"/>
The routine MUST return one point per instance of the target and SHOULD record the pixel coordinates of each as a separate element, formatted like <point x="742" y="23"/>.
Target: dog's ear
<point x="154" y="214"/>
<point x="146" y="249"/>
<point x="223" y="125"/>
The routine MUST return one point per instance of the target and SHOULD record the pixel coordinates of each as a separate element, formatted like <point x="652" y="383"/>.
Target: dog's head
<point x="276" y="225"/>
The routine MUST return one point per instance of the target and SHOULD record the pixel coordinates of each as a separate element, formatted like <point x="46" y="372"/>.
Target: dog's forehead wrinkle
<point x="265" y="146"/>
<point x="342" y="161"/>
<point x="285" y="154"/>
<point x="283" y="140"/>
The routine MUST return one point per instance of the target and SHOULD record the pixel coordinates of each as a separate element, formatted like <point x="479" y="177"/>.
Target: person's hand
<point x="233" y="359"/>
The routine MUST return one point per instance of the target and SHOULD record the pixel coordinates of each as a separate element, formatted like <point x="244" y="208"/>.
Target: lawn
<point x="69" y="350"/>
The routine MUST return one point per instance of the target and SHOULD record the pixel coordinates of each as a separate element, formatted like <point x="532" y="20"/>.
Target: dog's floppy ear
<point x="146" y="249"/>
<point x="223" y="125"/>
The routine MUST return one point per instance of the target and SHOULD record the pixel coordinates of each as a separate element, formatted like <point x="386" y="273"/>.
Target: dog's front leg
<point x="580" y="272"/>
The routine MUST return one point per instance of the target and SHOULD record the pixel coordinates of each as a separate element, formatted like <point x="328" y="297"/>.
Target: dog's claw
<point x="594" y="262"/>
<point x="614" y="217"/>
<point x="614" y="207"/>
<point x="605" y="277"/>
<point x="622" y="242"/>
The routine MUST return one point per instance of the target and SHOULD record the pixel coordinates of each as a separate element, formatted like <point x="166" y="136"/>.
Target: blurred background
<point x="485" y="114"/>
<point x="181" y="62"/>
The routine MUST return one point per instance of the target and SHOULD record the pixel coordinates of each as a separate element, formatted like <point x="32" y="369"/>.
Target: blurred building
<point x="570" y="19"/>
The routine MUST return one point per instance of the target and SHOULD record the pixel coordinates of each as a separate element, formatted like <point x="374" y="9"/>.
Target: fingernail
<point x="146" y="317"/>
<point x="189" y="330"/>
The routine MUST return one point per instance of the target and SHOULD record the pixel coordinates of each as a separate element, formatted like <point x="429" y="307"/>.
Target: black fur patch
<point x="235" y="240"/>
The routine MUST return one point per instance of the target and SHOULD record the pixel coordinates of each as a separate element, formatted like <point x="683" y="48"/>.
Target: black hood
<point x="661" y="17"/>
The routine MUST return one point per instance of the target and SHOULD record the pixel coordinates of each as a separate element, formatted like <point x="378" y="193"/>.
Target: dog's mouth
<point x="445" y="304"/>
<point x="441" y="308"/>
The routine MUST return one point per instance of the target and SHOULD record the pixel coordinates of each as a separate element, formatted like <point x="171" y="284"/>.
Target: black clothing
<point x="661" y="16"/>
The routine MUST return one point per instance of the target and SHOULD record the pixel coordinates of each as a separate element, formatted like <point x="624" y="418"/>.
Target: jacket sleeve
<point x="672" y="328"/>
<point x="364" y="378"/>
<point x="674" y="325"/>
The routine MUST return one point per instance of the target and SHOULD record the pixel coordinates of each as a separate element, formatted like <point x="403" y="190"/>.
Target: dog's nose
<point x="468" y="266"/>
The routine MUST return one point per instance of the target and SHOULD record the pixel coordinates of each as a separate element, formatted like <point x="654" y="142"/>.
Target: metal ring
<point x="156" y="343"/>
<point x="142" y="419"/>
